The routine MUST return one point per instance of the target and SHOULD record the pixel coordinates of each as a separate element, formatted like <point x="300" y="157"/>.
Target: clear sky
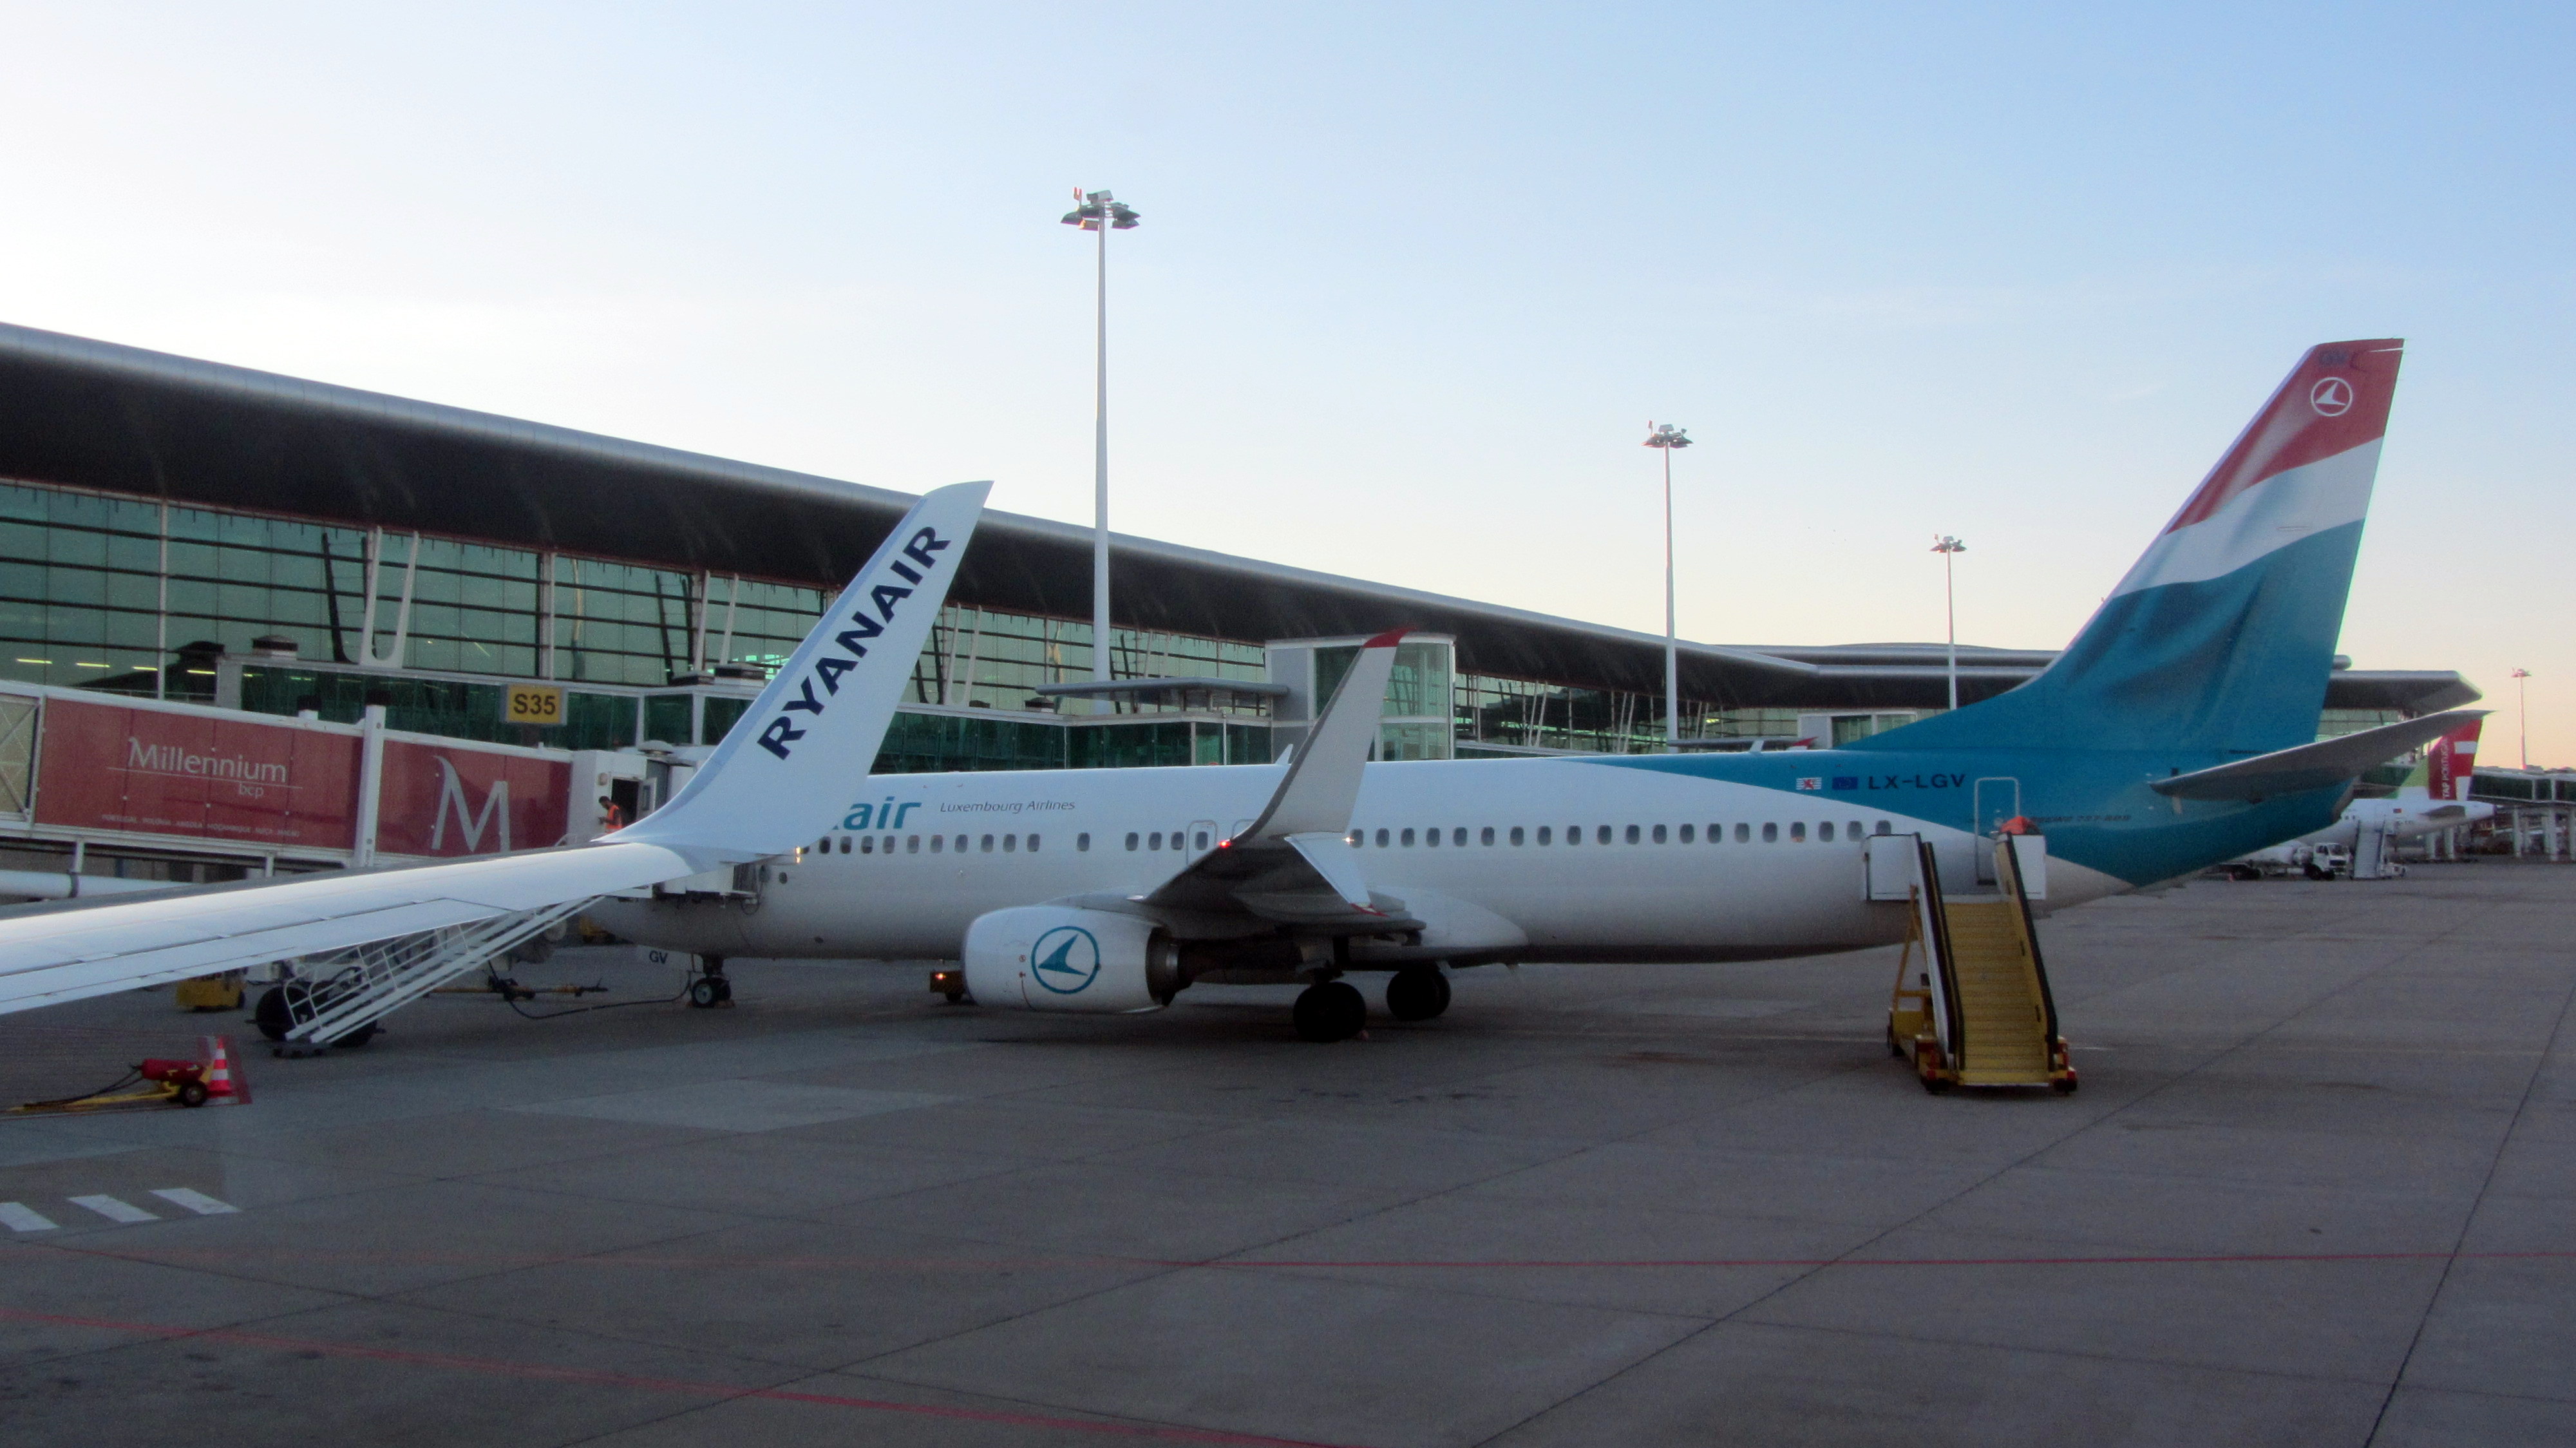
<point x="1412" y="279"/>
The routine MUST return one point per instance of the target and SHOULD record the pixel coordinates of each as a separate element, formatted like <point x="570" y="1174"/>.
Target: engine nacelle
<point x="1050" y="958"/>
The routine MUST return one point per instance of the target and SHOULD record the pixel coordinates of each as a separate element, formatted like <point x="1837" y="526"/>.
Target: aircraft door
<point x="1203" y="837"/>
<point x="1997" y="800"/>
<point x="626" y="797"/>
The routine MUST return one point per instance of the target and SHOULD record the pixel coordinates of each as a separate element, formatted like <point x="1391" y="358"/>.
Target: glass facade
<point x="2334" y="723"/>
<point x="983" y="658"/>
<point x="452" y="708"/>
<point x="132" y="596"/>
<point x="1166" y="742"/>
<point x="1526" y="714"/>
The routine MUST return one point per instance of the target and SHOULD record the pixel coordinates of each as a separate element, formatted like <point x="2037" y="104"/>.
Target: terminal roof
<point x="93" y="414"/>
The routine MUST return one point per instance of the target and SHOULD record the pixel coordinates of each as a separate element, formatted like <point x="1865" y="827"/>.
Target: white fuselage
<point x="2402" y="817"/>
<point x="928" y="853"/>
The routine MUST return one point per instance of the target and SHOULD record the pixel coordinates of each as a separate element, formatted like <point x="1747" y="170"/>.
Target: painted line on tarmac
<point x="2170" y="1260"/>
<point x="1029" y="1263"/>
<point x="114" y="1210"/>
<point x="726" y="1391"/>
<point x="19" y="1217"/>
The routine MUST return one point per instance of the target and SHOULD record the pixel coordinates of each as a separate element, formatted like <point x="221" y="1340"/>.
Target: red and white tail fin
<point x="2450" y="760"/>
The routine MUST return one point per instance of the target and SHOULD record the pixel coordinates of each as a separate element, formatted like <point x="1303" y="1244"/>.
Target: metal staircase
<point x="340" y="998"/>
<point x="1980" y="1012"/>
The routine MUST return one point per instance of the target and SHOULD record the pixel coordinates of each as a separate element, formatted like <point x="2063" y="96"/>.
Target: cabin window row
<point x="933" y="844"/>
<point x="1158" y="840"/>
<point x="1456" y="837"/>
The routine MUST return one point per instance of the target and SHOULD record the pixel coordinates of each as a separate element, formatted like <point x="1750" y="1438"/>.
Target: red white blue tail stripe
<point x="2304" y="465"/>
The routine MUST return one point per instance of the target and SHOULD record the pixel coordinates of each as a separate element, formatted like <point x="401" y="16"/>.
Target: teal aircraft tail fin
<point x="2222" y="635"/>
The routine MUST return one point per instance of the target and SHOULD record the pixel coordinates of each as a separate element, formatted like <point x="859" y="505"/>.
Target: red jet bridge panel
<point x="161" y="772"/>
<point x="450" y="799"/>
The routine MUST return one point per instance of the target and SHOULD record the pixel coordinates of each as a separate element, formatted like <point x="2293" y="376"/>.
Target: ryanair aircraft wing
<point x="775" y="782"/>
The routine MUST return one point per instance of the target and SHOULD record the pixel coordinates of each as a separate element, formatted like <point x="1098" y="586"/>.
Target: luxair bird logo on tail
<point x="1065" y="959"/>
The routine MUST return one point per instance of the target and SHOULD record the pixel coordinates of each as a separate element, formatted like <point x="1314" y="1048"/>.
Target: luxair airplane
<point x="2175" y="732"/>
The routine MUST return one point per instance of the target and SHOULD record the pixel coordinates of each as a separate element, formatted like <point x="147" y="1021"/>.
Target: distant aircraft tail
<point x="2448" y="762"/>
<point x="2222" y="635"/>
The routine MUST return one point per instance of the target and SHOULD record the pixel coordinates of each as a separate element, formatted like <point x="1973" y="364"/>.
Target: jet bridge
<point x="1971" y="1005"/>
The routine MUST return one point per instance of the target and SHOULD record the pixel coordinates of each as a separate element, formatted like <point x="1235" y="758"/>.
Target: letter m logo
<point x="451" y="794"/>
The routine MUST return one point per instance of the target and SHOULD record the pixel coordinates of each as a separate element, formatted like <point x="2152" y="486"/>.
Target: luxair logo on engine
<point x="1065" y="959"/>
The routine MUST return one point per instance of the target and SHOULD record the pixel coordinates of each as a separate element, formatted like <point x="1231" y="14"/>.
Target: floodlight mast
<point x="1099" y="211"/>
<point x="1665" y="437"/>
<point x="2522" y="716"/>
<point x="1949" y="548"/>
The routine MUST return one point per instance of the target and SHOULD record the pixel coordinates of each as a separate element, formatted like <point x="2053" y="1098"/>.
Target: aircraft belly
<point x="692" y="928"/>
<point x="1676" y="905"/>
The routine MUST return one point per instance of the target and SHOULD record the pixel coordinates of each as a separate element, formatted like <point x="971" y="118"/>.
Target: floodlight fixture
<point x="1093" y="207"/>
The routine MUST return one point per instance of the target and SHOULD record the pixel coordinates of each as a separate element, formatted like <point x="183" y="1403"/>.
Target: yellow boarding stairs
<point x="1978" y="1011"/>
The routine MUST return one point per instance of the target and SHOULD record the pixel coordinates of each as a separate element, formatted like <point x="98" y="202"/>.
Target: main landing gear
<point x="1334" y="1010"/>
<point x="710" y="987"/>
<point x="1330" y="1010"/>
<point x="1417" y="993"/>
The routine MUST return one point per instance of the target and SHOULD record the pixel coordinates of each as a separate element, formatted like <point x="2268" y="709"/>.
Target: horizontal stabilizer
<point x="2320" y="765"/>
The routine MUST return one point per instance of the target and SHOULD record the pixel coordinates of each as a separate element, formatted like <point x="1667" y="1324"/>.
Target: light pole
<point x="1099" y="211"/>
<point x="1949" y="547"/>
<point x="1665" y="437"/>
<point x="2522" y="712"/>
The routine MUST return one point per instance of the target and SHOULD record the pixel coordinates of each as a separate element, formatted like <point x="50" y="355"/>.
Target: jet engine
<point x="1052" y="958"/>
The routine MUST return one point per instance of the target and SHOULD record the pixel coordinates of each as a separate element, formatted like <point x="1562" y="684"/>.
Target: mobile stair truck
<point x="1971" y="1005"/>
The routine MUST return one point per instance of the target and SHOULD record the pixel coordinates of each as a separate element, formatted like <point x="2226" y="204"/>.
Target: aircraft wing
<point x="774" y="783"/>
<point x="1295" y="863"/>
<point x="2312" y="766"/>
<point x="53" y="954"/>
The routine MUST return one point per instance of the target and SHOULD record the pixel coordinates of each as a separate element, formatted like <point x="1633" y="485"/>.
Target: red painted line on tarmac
<point x="593" y="1377"/>
<point x="1919" y="1261"/>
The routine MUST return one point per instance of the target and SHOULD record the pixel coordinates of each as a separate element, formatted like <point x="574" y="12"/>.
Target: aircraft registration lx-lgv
<point x="2177" y="731"/>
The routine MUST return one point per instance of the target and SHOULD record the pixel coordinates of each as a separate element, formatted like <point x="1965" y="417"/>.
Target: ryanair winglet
<point x="778" y="778"/>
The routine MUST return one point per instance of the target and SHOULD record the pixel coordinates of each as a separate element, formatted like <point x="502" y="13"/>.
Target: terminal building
<point x="206" y="535"/>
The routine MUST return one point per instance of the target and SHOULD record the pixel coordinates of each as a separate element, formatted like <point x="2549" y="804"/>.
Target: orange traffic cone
<point x="223" y="1085"/>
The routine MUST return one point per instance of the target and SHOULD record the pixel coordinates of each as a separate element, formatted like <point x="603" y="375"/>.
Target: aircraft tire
<point x="707" y="992"/>
<point x="279" y="1012"/>
<point x="1417" y="993"/>
<point x="271" y="1014"/>
<point x="1332" y="1011"/>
